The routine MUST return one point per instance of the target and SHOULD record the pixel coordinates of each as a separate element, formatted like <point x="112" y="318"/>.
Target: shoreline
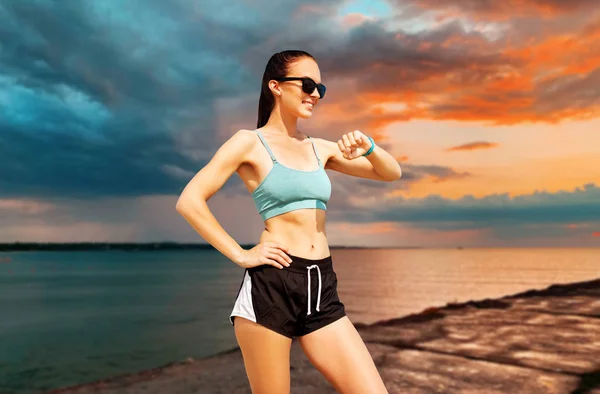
<point x="543" y="341"/>
<point x="9" y="247"/>
<point x="145" y="246"/>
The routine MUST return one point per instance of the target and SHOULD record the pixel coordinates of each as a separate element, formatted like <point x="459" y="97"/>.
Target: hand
<point x="354" y="144"/>
<point x="269" y="253"/>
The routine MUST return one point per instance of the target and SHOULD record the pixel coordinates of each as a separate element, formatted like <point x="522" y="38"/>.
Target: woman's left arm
<point x="345" y="156"/>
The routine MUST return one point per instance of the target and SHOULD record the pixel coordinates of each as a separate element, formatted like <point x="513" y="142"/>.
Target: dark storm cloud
<point x="97" y="98"/>
<point x="402" y="64"/>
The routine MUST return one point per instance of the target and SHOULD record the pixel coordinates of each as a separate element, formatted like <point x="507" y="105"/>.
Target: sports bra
<point x="285" y="189"/>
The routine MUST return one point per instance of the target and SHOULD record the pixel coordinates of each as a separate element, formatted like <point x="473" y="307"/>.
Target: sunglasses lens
<point x="308" y="85"/>
<point x="322" y="90"/>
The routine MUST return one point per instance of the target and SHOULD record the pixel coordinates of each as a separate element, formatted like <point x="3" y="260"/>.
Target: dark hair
<point x="277" y="67"/>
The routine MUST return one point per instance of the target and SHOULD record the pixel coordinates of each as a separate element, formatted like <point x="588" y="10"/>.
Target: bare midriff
<point x="302" y="231"/>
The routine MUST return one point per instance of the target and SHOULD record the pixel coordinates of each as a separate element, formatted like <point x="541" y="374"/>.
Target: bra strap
<point x="266" y="146"/>
<point x="315" y="149"/>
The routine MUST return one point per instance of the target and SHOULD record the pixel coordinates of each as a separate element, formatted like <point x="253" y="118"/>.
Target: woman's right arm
<point x="192" y="201"/>
<point x="193" y="207"/>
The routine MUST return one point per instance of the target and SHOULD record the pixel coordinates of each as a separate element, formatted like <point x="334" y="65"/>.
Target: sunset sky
<point x="492" y="108"/>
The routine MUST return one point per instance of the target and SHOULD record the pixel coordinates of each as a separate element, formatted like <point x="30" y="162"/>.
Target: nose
<point x="315" y="94"/>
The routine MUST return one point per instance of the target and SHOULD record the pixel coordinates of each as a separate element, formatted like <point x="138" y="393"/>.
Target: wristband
<point x="367" y="153"/>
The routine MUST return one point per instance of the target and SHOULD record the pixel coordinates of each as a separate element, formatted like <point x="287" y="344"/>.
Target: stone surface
<point x="545" y="341"/>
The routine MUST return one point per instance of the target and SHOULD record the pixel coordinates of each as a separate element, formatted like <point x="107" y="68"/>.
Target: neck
<point x="283" y="123"/>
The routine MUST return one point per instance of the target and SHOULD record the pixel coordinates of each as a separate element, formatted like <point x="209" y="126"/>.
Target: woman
<point x="289" y="285"/>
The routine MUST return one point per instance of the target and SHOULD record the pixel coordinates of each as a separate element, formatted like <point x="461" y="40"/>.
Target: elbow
<point x="182" y="205"/>
<point x="186" y="204"/>
<point x="397" y="175"/>
<point x="179" y="207"/>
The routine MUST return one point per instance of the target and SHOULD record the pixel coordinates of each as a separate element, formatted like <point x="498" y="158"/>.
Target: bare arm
<point x="379" y="165"/>
<point x="192" y="201"/>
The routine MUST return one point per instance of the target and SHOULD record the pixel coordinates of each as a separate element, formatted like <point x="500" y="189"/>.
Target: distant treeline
<point x="33" y="246"/>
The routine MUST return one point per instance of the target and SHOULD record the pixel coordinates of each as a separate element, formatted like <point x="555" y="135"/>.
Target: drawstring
<point x="318" y="295"/>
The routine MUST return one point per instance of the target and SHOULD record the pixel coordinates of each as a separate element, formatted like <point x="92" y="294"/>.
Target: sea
<point x="73" y="317"/>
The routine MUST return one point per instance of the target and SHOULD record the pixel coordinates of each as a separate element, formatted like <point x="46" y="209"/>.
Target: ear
<point x="274" y="86"/>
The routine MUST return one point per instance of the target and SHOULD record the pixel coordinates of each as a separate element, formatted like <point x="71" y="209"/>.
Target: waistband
<point x="301" y="264"/>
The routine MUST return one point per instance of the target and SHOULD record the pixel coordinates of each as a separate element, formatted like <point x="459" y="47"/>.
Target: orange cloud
<point x="574" y="53"/>
<point x="310" y="10"/>
<point x="473" y="146"/>
<point x="596" y="234"/>
<point x="354" y="19"/>
<point x="521" y="177"/>
<point x="548" y="81"/>
<point x="541" y="73"/>
<point x="506" y="9"/>
<point x="448" y="73"/>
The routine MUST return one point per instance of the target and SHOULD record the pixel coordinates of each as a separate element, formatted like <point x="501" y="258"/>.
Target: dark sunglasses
<point x="308" y="85"/>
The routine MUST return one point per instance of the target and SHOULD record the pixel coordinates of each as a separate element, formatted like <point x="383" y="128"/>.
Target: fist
<point x="354" y="144"/>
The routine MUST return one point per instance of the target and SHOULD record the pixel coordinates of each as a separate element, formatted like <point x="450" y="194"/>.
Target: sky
<point x="492" y="109"/>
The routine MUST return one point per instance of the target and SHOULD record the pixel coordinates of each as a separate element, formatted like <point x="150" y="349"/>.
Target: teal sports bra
<point x="285" y="189"/>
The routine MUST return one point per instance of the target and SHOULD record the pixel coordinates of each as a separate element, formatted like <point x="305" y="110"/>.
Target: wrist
<point x="238" y="257"/>
<point x="367" y="153"/>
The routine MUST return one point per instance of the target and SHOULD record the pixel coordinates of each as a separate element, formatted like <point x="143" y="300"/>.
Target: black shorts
<point x="293" y="301"/>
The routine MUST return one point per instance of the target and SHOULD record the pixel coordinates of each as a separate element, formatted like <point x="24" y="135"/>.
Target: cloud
<point x="121" y="99"/>
<point x="494" y="218"/>
<point x="352" y="194"/>
<point x="498" y="210"/>
<point x="117" y="98"/>
<point x="489" y="9"/>
<point x="473" y="146"/>
<point x="501" y="73"/>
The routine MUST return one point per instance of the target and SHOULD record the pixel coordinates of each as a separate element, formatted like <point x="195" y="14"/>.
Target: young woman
<point x="289" y="288"/>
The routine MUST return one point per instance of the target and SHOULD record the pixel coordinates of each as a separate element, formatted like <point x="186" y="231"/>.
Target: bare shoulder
<point x="246" y="133"/>
<point x="240" y="143"/>
<point x="244" y="136"/>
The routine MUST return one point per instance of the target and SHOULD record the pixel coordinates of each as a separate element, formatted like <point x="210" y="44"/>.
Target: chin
<point x="305" y="113"/>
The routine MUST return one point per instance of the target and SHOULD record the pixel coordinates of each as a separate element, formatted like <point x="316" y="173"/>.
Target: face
<point x="292" y="99"/>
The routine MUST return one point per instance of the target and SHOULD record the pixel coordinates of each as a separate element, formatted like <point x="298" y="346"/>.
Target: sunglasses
<point x="308" y="85"/>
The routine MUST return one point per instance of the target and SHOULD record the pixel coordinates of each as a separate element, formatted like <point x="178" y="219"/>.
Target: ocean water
<point x="73" y="317"/>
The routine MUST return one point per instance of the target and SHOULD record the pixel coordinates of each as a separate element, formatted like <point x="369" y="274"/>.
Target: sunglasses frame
<point x="306" y="84"/>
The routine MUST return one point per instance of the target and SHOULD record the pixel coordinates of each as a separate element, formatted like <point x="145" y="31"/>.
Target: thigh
<point x="339" y="353"/>
<point x="266" y="356"/>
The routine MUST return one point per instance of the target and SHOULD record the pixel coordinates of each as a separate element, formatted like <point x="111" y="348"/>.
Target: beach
<point x="538" y="341"/>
